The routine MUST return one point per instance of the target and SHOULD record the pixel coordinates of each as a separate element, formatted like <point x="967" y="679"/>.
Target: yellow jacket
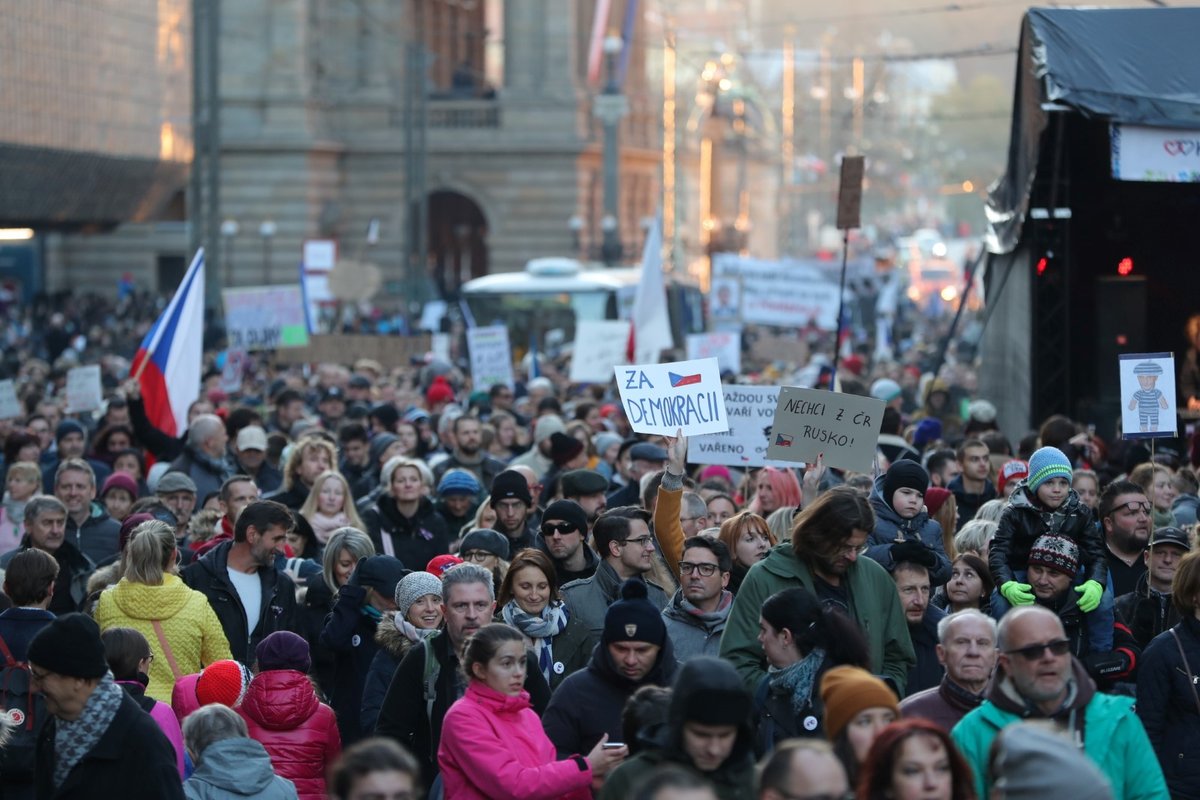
<point x="189" y="625"/>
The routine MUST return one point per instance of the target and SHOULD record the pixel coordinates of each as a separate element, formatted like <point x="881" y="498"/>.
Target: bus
<point x="551" y="295"/>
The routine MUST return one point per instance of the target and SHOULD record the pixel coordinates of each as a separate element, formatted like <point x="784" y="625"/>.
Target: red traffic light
<point x="1125" y="266"/>
<point x="1041" y="265"/>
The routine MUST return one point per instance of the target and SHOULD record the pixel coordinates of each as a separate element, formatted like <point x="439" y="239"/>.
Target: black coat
<point x="132" y="761"/>
<point x="415" y="540"/>
<point x="210" y="576"/>
<point x="588" y="704"/>
<point x="350" y="634"/>
<point x="403" y="716"/>
<point x="928" y="671"/>
<point x="1147" y="613"/>
<point x="1023" y="522"/>
<point x="1166" y="704"/>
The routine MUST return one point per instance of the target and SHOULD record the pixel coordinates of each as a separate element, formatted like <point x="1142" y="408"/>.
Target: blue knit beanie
<point x="1047" y="463"/>
<point x="458" y="481"/>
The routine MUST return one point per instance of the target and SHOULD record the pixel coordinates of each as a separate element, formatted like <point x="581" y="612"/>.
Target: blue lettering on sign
<point x="678" y="411"/>
<point x="632" y="375"/>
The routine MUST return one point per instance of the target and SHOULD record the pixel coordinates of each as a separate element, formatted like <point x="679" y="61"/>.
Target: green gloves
<point x="1090" y="596"/>
<point x="1019" y="594"/>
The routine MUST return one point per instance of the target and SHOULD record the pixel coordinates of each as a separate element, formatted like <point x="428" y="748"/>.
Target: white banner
<point x="751" y="410"/>
<point x="600" y="345"/>
<point x="265" y="317"/>
<point x="1167" y="155"/>
<point x="724" y="346"/>
<point x="662" y="398"/>
<point x="491" y="357"/>
<point x="84" y="392"/>
<point x="773" y="293"/>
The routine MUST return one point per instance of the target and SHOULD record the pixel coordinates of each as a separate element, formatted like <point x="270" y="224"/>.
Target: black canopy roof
<point x="1132" y="65"/>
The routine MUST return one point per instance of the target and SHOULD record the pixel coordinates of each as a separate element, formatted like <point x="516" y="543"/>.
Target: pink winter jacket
<point x="493" y="748"/>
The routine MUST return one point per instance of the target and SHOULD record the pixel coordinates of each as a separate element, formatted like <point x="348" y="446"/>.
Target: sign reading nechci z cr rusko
<point x="662" y="398"/>
<point x="811" y="422"/>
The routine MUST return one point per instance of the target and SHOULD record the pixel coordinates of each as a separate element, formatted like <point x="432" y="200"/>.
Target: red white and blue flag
<point x="683" y="380"/>
<point x="167" y="364"/>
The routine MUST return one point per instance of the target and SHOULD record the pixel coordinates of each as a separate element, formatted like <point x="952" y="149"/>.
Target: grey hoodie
<point x="237" y="768"/>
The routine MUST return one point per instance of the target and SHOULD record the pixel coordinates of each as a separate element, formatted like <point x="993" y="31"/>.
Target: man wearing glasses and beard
<point x="1125" y="514"/>
<point x="1037" y="678"/>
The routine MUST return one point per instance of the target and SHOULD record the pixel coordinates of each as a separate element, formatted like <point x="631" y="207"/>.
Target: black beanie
<point x="904" y="474"/>
<point x="70" y="646"/>
<point x="510" y="484"/>
<point x="634" y="618"/>
<point x="567" y="511"/>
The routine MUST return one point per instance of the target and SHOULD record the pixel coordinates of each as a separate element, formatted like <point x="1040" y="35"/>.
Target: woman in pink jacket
<point x="282" y="712"/>
<point x="493" y="746"/>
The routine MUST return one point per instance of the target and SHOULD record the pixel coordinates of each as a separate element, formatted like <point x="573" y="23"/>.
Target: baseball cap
<point x="1170" y="535"/>
<point x="252" y="437"/>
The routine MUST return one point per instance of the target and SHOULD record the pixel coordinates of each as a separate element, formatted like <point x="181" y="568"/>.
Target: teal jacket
<point x="1114" y="740"/>
<point x="874" y="605"/>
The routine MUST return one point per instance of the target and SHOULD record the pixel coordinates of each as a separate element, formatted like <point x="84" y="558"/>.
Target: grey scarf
<point x="75" y="738"/>
<point x="798" y="679"/>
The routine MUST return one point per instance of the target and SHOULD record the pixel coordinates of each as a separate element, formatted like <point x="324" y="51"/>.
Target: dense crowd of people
<point x="359" y="582"/>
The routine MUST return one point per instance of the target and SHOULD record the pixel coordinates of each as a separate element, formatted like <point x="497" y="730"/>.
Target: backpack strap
<point x="166" y="648"/>
<point x="9" y="661"/>
<point x="1188" y="669"/>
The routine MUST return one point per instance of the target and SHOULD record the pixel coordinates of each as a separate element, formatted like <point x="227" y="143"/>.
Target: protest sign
<point x="751" y="411"/>
<point x="842" y="427"/>
<point x="389" y="351"/>
<point x="1147" y="395"/>
<point x="491" y="357"/>
<point x="10" y="406"/>
<point x="439" y="345"/>
<point x="725" y="346"/>
<point x="600" y="345"/>
<point x="785" y="294"/>
<point x="83" y="389"/>
<point x="265" y="317"/>
<point x="662" y="398"/>
<point x="233" y="371"/>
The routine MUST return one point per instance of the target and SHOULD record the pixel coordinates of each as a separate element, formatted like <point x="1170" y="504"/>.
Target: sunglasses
<point x="560" y="528"/>
<point x="1132" y="507"/>
<point x="1033" y="652"/>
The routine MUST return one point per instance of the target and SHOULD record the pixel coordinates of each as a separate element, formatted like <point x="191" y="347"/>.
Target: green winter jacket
<point x="874" y="605"/>
<point x="1114" y="740"/>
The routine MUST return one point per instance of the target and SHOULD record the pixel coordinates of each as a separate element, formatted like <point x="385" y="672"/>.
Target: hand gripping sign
<point x="663" y="398"/>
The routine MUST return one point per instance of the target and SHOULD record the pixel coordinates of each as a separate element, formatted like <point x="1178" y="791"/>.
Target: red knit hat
<point x="222" y="682"/>
<point x="440" y="564"/>
<point x="439" y="391"/>
<point x="935" y="497"/>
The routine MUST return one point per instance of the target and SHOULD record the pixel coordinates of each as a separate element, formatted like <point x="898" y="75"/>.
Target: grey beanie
<point x="1033" y="762"/>
<point x="412" y="587"/>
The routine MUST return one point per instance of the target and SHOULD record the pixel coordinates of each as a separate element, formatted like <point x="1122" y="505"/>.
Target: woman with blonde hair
<point x="749" y="540"/>
<point x="1158" y="483"/>
<point x="330" y="505"/>
<point x="178" y="622"/>
<point x="403" y="521"/>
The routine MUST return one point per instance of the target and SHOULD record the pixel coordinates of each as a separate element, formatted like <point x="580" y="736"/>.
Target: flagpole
<point x="837" y="341"/>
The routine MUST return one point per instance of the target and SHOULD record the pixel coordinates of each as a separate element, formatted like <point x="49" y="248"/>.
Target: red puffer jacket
<point x="300" y="732"/>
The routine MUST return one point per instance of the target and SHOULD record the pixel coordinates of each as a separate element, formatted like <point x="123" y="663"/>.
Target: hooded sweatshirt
<point x="236" y="768"/>
<point x="707" y="691"/>
<point x="190" y="628"/>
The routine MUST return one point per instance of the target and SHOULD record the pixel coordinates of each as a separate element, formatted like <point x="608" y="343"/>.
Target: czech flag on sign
<point x="683" y="380"/>
<point x="167" y="364"/>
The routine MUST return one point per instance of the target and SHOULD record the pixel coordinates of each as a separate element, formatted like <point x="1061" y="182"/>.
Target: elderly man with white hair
<point x="205" y="459"/>
<point x="967" y="650"/>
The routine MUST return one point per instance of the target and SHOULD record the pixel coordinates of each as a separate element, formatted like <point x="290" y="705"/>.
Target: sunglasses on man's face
<point x="560" y="528"/>
<point x="1033" y="652"/>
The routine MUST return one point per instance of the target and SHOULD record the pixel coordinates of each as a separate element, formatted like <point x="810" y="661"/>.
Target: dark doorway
<point x="457" y="241"/>
<point x="170" y="271"/>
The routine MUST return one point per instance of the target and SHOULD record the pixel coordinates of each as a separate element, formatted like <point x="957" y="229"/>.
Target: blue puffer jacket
<point x="1167" y="705"/>
<point x="891" y="528"/>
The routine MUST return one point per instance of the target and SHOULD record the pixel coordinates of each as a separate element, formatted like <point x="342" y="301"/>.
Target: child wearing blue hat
<point x="1044" y="504"/>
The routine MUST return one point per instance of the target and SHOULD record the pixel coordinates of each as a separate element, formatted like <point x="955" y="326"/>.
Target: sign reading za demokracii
<point x="662" y="398"/>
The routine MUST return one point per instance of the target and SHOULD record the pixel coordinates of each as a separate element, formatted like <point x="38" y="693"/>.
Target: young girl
<point x="330" y="505"/>
<point x="492" y="742"/>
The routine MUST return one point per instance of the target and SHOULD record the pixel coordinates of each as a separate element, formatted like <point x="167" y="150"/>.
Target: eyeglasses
<point x="559" y="528"/>
<point x="476" y="556"/>
<point x="705" y="570"/>
<point x="641" y="541"/>
<point x="38" y="675"/>
<point x="1132" y="507"/>
<point x="1033" y="652"/>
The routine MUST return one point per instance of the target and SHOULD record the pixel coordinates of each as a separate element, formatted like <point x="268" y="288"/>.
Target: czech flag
<point x="167" y="364"/>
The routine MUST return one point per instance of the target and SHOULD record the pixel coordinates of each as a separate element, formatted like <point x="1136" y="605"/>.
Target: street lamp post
<point x="610" y="107"/>
<point x="575" y="223"/>
<point x="267" y="231"/>
<point x="229" y="229"/>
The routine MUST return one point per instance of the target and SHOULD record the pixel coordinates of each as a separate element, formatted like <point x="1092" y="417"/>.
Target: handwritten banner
<point x="600" y="345"/>
<point x="751" y="412"/>
<point x="10" y="406"/>
<point x="725" y="346"/>
<point x="491" y="356"/>
<point x="662" y="398"/>
<point x="265" y="317"/>
<point x="84" y="392"/>
<point x="811" y="422"/>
